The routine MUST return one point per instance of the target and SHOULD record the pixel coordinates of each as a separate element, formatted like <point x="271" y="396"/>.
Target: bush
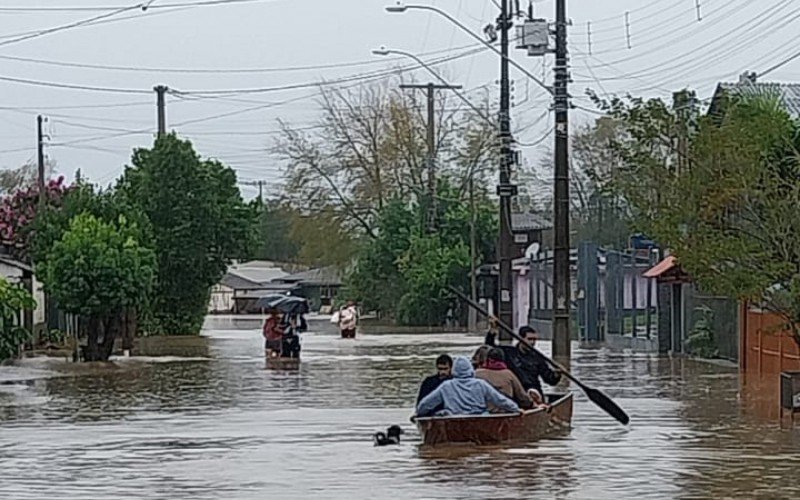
<point x="13" y="301"/>
<point x="701" y="342"/>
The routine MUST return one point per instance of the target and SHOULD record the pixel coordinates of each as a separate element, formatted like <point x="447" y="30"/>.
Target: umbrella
<point x="286" y="304"/>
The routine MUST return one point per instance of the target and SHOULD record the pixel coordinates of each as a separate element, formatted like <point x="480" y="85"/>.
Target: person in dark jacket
<point x="444" y="368"/>
<point x="526" y="363"/>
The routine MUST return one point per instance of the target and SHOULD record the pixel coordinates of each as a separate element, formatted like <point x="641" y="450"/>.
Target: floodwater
<point x="218" y="425"/>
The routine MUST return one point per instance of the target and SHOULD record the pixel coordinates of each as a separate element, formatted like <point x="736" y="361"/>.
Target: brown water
<point x="222" y="427"/>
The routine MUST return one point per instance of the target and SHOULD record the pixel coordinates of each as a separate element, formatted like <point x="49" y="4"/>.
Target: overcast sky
<point x="96" y="130"/>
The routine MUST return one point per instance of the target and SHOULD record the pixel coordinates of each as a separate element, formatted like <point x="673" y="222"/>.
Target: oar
<point x="595" y="395"/>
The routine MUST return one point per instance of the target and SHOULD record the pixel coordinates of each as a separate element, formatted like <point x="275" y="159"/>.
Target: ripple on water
<point x="224" y="427"/>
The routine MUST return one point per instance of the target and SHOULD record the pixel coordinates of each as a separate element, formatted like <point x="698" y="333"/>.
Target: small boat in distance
<point x="530" y="425"/>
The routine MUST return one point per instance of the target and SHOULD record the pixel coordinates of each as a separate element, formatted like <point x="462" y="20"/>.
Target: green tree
<point x="404" y="272"/>
<point x="721" y="192"/>
<point x="274" y="222"/>
<point x="99" y="270"/>
<point x="199" y="224"/>
<point x="13" y="301"/>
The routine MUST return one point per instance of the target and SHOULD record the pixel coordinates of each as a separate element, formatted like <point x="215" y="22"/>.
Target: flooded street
<point x="218" y="425"/>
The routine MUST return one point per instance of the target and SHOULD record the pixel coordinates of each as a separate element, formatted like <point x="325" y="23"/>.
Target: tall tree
<point x="98" y="271"/>
<point x="369" y="147"/>
<point x="199" y="224"/>
<point x="721" y="192"/>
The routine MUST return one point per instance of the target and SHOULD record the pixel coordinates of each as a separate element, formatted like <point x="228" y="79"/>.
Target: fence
<point x="767" y="347"/>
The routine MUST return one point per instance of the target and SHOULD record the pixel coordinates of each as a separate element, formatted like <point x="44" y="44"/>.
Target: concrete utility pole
<point x="40" y="151"/>
<point x="430" y="88"/>
<point x="505" y="189"/>
<point x="161" y="92"/>
<point x="561" y="254"/>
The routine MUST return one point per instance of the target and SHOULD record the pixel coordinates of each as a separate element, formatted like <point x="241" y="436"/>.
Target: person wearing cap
<point x="528" y="365"/>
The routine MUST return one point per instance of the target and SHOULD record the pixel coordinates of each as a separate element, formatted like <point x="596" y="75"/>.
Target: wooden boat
<point x="530" y="425"/>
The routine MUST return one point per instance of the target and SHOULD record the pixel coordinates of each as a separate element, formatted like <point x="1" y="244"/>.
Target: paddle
<point x="595" y="395"/>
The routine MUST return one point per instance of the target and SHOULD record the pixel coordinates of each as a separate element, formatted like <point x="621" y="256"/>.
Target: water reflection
<point x="221" y="426"/>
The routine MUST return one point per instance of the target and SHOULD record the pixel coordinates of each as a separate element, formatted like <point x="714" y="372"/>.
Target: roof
<point x="789" y="93"/>
<point x="323" y="276"/>
<point x="233" y="280"/>
<point x="525" y="221"/>
<point x="15" y="263"/>
<point x="258" y="275"/>
<point x="662" y="267"/>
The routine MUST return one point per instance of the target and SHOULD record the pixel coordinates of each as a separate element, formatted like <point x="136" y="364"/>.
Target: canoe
<point x="278" y="363"/>
<point x="530" y="425"/>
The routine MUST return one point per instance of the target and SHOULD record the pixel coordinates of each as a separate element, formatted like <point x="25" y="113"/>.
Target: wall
<point x="221" y="299"/>
<point x="766" y="347"/>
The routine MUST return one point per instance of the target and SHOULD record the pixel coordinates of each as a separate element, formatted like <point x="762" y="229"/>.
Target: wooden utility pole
<point x="40" y="152"/>
<point x="161" y="106"/>
<point x="260" y="184"/>
<point x="505" y="189"/>
<point x="430" y="88"/>
<point x="561" y="254"/>
<point x="473" y="257"/>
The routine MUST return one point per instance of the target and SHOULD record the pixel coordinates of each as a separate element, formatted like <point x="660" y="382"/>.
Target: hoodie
<point x="464" y="394"/>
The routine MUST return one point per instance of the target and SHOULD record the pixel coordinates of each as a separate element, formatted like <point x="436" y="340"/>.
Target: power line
<point x="200" y="3"/>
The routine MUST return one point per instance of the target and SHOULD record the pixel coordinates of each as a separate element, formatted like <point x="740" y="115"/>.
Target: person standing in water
<point x="273" y="334"/>
<point x="348" y="320"/>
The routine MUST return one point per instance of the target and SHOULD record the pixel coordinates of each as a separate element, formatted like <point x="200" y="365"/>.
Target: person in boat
<point x="290" y="342"/>
<point x="480" y="357"/>
<point x="273" y="334"/>
<point x="527" y="364"/>
<point x="464" y="395"/>
<point x="348" y="320"/>
<point x="444" y="368"/>
<point x="495" y="371"/>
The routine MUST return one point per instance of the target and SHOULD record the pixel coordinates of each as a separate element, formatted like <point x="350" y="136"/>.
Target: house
<point x="21" y="274"/>
<point x="789" y="93"/>
<point x="243" y="284"/>
<point x="529" y="228"/>
<point x="320" y="286"/>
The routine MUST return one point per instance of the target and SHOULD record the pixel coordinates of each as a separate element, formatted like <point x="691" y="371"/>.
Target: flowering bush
<point x="18" y="211"/>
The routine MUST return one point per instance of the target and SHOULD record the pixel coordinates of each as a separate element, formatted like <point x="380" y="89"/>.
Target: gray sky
<point x="669" y="50"/>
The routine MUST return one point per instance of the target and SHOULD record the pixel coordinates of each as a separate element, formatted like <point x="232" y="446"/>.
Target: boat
<point x="530" y="425"/>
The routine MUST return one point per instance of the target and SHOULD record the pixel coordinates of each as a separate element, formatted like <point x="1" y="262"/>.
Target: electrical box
<point x="534" y="36"/>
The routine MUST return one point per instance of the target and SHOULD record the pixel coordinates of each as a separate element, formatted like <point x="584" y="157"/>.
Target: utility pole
<point x="161" y="92"/>
<point x="40" y="150"/>
<point x="430" y="89"/>
<point x="473" y="257"/>
<point x="260" y="184"/>
<point x="505" y="189"/>
<point x="561" y="255"/>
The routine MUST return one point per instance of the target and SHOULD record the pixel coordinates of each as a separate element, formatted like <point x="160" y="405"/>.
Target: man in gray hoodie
<point x="464" y="394"/>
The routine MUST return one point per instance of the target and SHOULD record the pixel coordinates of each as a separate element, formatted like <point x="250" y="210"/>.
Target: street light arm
<point x="400" y="7"/>
<point x="383" y="51"/>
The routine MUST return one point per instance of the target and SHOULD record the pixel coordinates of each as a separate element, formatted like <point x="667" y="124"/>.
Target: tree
<point x="721" y="192"/>
<point x="274" y="227"/>
<point x="199" y="224"/>
<point x="322" y="240"/>
<point x="13" y="301"/>
<point x="19" y="211"/>
<point x="22" y="178"/>
<point x="98" y="271"/>
<point x="404" y="272"/>
<point x="369" y="148"/>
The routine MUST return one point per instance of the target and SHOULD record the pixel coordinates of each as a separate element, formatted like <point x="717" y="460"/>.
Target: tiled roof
<point x="789" y="92"/>
<point x="324" y="276"/>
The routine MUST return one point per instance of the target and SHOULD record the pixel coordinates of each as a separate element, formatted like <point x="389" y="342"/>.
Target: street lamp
<point x="401" y="7"/>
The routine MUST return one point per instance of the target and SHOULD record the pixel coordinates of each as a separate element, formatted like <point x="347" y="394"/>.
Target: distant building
<point x="244" y="284"/>
<point x="320" y="286"/>
<point x="789" y="93"/>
